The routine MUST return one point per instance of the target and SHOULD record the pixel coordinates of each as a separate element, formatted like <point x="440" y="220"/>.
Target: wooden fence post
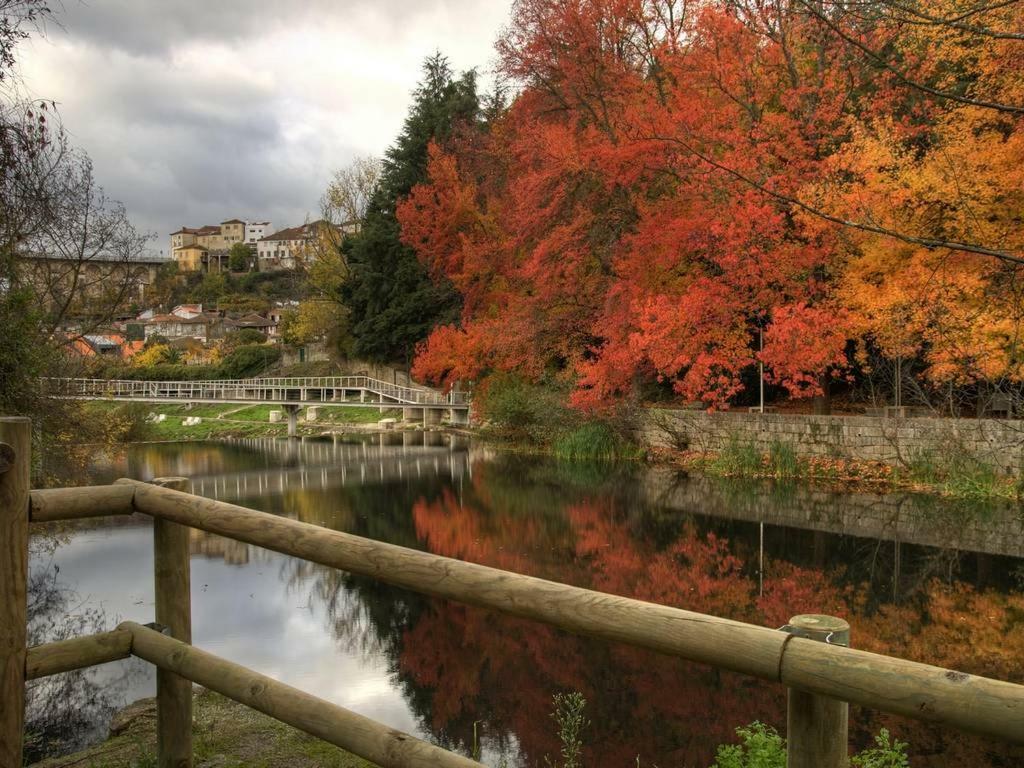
<point x="15" y="471"/>
<point x="817" y="726"/>
<point x="172" y="583"/>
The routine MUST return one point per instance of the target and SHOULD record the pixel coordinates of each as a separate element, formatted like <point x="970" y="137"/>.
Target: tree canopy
<point x="676" y="181"/>
<point x="393" y="300"/>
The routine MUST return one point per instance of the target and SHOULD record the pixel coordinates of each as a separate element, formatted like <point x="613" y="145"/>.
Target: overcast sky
<point x="197" y="111"/>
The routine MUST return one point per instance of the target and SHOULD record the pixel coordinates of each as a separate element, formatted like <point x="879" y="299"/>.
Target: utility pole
<point x="899" y="380"/>
<point x="760" y="366"/>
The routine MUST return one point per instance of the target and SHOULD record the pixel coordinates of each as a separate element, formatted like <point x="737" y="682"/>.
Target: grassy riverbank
<point x="232" y="420"/>
<point x="521" y="416"/>
<point x="226" y="734"/>
<point x="952" y="474"/>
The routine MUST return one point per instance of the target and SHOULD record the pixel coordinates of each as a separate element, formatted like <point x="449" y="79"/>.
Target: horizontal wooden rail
<point x="387" y="747"/>
<point x="53" y="504"/>
<point x="919" y="691"/>
<point x="720" y="642"/>
<point x="77" y="653"/>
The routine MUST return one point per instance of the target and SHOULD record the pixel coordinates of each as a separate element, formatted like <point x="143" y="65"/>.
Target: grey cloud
<point x="153" y="28"/>
<point x="187" y="134"/>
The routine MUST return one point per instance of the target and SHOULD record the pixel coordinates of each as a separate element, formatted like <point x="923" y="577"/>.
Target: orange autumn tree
<point x="676" y="183"/>
<point x="932" y="174"/>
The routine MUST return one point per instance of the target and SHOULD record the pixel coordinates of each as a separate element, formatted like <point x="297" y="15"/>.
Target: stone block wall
<point x="999" y="442"/>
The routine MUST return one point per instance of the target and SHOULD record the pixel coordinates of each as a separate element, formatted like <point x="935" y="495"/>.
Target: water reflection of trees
<point x="65" y="711"/>
<point x="457" y="664"/>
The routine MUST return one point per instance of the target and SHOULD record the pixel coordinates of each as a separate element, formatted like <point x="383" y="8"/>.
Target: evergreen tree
<point x="394" y="303"/>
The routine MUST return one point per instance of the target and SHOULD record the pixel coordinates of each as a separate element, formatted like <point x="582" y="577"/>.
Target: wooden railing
<point x="822" y="677"/>
<point x="306" y="389"/>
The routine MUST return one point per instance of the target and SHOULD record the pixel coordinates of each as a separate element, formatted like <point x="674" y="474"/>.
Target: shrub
<point x="571" y="722"/>
<point x="956" y="473"/>
<point x="522" y="410"/>
<point x="760" y="747"/>
<point x="887" y="754"/>
<point x="594" y="440"/>
<point x="738" y="458"/>
<point x="171" y="372"/>
<point x="156" y="354"/>
<point x="243" y="337"/>
<point x="247" y="361"/>
<point x="782" y="460"/>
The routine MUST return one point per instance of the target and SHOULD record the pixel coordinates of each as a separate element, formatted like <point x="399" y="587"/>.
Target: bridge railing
<point x="821" y="677"/>
<point x="256" y="389"/>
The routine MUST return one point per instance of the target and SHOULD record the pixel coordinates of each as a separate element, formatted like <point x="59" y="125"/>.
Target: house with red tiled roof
<point x="287" y="248"/>
<point x="106" y="344"/>
<point x="205" y="248"/>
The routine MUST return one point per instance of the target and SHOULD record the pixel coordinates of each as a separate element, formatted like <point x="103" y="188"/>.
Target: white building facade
<point x="256" y="231"/>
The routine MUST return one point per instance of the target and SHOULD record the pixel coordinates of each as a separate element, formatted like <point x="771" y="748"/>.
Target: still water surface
<point x="933" y="581"/>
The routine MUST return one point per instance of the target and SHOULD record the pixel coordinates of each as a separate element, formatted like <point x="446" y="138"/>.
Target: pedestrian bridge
<point x="289" y="392"/>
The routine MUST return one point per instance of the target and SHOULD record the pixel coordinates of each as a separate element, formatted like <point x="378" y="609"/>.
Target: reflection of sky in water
<point x="247" y="614"/>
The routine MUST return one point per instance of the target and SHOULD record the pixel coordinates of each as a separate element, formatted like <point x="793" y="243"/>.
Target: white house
<point x="256" y="231"/>
<point x="287" y="248"/>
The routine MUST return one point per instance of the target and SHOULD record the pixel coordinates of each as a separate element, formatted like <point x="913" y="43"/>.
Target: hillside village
<point x="209" y="248"/>
<point x="258" y="271"/>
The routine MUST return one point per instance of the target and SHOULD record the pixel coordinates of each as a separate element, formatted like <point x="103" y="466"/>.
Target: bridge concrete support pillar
<point x="362" y="395"/>
<point x="431" y="417"/>
<point x="293" y="420"/>
<point x="412" y="414"/>
<point x="458" y="416"/>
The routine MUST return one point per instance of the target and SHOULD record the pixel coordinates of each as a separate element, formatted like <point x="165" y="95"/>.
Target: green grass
<point x="783" y="462"/>
<point x="956" y="473"/>
<point x="232" y="420"/>
<point x="737" y="458"/>
<point x="594" y="440"/>
<point x="951" y="473"/>
<point x="225" y="734"/>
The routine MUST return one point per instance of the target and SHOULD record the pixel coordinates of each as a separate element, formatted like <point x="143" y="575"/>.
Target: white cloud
<point x="195" y="112"/>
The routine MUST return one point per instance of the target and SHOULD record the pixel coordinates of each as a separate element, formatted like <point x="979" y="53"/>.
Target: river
<point x="939" y="582"/>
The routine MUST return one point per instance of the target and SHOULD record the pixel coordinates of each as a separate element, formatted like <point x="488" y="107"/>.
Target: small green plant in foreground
<point x="761" y="746"/>
<point x="889" y="753"/>
<point x="571" y="722"/>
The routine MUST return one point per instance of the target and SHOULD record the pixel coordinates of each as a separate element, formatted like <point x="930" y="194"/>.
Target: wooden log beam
<point x="719" y="642"/>
<point x="366" y="738"/>
<point x="15" y="465"/>
<point x="77" y="653"/>
<point x="924" y="692"/>
<point x="918" y="691"/>
<point x="75" y="503"/>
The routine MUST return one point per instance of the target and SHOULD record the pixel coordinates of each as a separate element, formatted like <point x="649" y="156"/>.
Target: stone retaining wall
<point x="999" y="442"/>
